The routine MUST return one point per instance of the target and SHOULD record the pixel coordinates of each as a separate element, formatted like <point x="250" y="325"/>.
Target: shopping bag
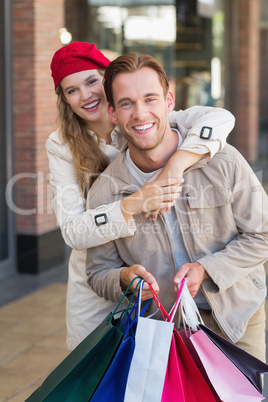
<point x="184" y="382"/>
<point x="249" y="365"/>
<point x="78" y="375"/>
<point x="227" y="380"/>
<point x="148" y="366"/>
<point x="185" y="336"/>
<point x="113" y="384"/>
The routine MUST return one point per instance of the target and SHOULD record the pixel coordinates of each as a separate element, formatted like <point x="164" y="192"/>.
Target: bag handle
<point x="165" y="315"/>
<point x="189" y="311"/>
<point x="178" y="300"/>
<point x="139" y="312"/>
<point x="160" y="306"/>
<point x="126" y="309"/>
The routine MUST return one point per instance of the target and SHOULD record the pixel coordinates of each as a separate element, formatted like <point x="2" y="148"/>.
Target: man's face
<point x="141" y="108"/>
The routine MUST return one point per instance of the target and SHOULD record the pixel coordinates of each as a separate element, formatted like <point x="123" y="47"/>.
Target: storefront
<point x="179" y="34"/>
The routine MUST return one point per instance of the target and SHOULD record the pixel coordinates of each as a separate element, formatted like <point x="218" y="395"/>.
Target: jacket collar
<point x="124" y="182"/>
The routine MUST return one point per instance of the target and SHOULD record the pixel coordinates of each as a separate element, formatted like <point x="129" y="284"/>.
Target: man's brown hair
<point x="128" y="64"/>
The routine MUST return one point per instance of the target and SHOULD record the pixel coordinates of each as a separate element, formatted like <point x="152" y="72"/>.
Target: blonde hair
<point x="88" y="158"/>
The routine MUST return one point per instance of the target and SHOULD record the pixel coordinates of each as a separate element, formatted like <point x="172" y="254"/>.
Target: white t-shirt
<point x="179" y="250"/>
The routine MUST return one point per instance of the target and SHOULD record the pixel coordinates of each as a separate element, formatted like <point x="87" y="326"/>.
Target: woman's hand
<point x="156" y="194"/>
<point x="172" y="173"/>
<point x="175" y="168"/>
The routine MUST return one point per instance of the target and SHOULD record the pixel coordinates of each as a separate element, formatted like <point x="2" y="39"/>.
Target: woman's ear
<point x="170" y="102"/>
<point x="112" y="114"/>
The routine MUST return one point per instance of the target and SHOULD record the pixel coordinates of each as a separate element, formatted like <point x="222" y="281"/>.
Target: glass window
<point x="179" y="34"/>
<point x="128" y="26"/>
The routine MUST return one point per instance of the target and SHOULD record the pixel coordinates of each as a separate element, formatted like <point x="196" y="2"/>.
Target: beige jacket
<point x="223" y="216"/>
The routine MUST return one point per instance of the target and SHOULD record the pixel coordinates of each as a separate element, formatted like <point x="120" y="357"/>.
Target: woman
<point x="85" y="143"/>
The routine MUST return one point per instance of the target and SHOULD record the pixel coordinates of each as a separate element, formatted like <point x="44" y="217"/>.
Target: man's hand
<point x="194" y="274"/>
<point x="129" y="273"/>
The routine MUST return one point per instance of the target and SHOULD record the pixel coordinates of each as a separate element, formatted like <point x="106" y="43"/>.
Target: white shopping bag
<point x="149" y="363"/>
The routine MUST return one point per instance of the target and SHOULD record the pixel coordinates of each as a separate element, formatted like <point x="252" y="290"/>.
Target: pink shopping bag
<point x="184" y="382"/>
<point x="228" y="381"/>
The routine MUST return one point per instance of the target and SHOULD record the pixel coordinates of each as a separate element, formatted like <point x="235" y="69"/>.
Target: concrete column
<point x="36" y="25"/>
<point x="242" y="73"/>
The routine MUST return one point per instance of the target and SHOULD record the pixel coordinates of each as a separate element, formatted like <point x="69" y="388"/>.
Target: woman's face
<point x="84" y="92"/>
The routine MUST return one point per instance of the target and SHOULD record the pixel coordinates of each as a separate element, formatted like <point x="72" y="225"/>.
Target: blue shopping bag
<point x="113" y="385"/>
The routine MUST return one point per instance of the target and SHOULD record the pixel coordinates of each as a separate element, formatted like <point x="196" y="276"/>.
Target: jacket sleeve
<point x="204" y="129"/>
<point x="103" y="267"/>
<point x="78" y="225"/>
<point x="246" y="253"/>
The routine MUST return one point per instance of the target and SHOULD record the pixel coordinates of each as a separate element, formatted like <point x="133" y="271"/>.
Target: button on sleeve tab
<point x="206" y="132"/>
<point x="101" y="219"/>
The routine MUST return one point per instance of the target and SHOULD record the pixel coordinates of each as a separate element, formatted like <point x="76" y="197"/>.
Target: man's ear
<point x="170" y="102"/>
<point x="112" y="114"/>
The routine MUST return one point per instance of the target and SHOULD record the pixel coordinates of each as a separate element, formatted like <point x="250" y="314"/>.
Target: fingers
<point x="194" y="274"/>
<point x="129" y="273"/>
<point x="169" y="181"/>
<point x="146" y="291"/>
<point x="192" y="286"/>
<point x="154" y="196"/>
<point x="154" y="190"/>
<point x="174" y="189"/>
<point x="154" y="214"/>
<point x="159" y="204"/>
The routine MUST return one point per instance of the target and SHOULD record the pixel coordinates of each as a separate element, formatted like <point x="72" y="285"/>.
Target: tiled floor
<point x="32" y="339"/>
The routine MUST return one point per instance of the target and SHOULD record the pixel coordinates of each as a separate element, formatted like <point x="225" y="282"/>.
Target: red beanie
<point x="75" y="57"/>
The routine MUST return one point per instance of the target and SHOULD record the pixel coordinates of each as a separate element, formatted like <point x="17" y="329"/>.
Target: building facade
<point x="215" y="53"/>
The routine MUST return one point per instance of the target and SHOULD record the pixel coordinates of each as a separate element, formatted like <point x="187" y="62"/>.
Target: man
<point x="216" y="235"/>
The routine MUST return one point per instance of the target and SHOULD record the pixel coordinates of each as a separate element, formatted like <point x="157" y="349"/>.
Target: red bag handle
<point x="162" y="310"/>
